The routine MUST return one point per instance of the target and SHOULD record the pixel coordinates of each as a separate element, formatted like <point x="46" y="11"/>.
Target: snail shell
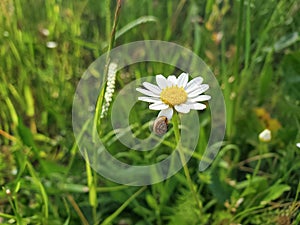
<point x="160" y="125"/>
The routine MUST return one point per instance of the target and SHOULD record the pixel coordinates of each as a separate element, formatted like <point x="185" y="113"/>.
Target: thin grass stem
<point x="102" y="92"/>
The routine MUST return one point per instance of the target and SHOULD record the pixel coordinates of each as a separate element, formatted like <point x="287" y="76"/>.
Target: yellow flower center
<point x="173" y="95"/>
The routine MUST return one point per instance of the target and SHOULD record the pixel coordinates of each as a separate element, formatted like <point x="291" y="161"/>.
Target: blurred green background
<point x="251" y="46"/>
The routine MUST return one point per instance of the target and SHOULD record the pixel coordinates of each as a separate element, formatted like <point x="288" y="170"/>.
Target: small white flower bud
<point x="265" y="135"/>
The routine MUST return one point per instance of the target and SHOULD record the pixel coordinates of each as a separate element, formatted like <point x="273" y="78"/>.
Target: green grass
<point x="43" y="176"/>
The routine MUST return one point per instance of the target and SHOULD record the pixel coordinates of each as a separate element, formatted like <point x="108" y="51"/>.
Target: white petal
<point x="191" y="88"/>
<point x="146" y="92"/>
<point x="265" y="135"/>
<point x="298" y="145"/>
<point x="200" y="98"/>
<point x="161" y="81"/>
<point x="202" y="88"/>
<point x="151" y="87"/>
<point x="158" y="106"/>
<point x="198" y="106"/>
<point x="195" y="82"/>
<point x="182" y="108"/>
<point x="149" y="99"/>
<point x="182" y="80"/>
<point x="172" y="80"/>
<point x="167" y="113"/>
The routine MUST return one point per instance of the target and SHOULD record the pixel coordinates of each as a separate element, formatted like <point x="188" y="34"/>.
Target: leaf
<point x="151" y="201"/>
<point x="286" y="41"/>
<point x="186" y="213"/>
<point x="218" y="187"/>
<point x="51" y="167"/>
<point x="131" y="25"/>
<point x="265" y="79"/>
<point x="290" y="68"/>
<point x="25" y="135"/>
<point x="275" y="192"/>
<point x="29" y="100"/>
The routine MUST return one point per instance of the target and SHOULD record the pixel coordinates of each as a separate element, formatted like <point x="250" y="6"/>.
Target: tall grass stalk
<point x="77" y="210"/>
<point x="230" y="108"/>
<point x="102" y="92"/>
<point x="43" y="192"/>
<point x="260" y="43"/>
<point x="248" y="34"/>
<point x="110" y="219"/>
<point x="92" y="179"/>
<point x="92" y="182"/>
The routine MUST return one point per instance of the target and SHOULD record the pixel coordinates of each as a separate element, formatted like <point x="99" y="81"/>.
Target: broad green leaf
<point x="275" y="192"/>
<point x="151" y="201"/>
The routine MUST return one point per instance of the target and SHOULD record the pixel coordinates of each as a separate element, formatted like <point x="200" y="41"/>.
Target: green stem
<point x="110" y="219"/>
<point x="262" y="149"/>
<point x="101" y="95"/>
<point x="175" y="120"/>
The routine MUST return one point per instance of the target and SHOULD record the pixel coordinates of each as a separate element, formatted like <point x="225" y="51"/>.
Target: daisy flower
<point x="174" y="93"/>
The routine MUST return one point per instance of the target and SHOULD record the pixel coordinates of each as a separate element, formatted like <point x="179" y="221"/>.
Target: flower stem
<point x="262" y="149"/>
<point x="175" y="121"/>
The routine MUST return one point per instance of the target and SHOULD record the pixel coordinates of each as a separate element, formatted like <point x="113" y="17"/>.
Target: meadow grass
<point x="251" y="46"/>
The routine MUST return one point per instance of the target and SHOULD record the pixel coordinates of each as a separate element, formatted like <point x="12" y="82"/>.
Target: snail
<point x="160" y="125"/>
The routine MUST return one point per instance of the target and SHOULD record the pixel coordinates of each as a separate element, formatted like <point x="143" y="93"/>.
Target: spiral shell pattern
<point x="160" y="125"/>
